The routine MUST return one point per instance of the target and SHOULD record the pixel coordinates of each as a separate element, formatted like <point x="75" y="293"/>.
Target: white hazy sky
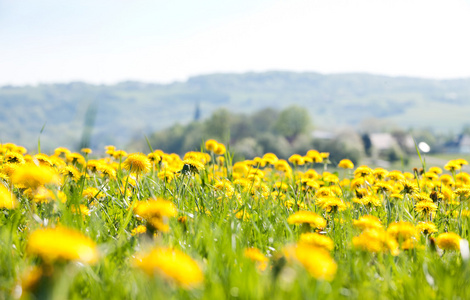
<point x="106" y="41"/>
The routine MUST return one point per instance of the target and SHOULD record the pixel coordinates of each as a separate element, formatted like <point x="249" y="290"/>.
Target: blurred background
<point x="362" y="79"/>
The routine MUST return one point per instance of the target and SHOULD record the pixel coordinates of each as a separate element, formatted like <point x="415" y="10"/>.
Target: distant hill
<point x="131" y="109"/>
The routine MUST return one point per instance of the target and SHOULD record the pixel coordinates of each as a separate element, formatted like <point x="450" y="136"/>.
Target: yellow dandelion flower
<point x="425" y="207"/>
<point x="362" y="171"/>
<point x="376" y="241"/>
<point x="57" y="161"/>
<point x="240" y="168"/>
<point x="30" y="278"/>
<point x="196" y="156"/>
<point x="107" y="171"/>
<point x="331" y="204"/>
<point x="462" y="192"/>
<point x="61" y="150"/>
<point x="14" y="158"/>
<point x="86" y="150"/>
<point x="369" y="200"/>
<point x="75" y="158"/>
<point x="307" y="217"/>
<point x="426" y="227"/>
<point x="7" y="199"/>
<point x="315" y="156"/>
<point x="192" y="166"/>
<point x="346" y="164"/>
<point x="220" y="150"/>
<point x="156" y="211"/>
<point x="32" y="176"/>
<point x="447" y="179"/>
<point x="138" y="163"/>
<point x="311" y="174"/>
<point x="270" y="158"/>
<point x="422" y="197"/>
<point x="42" y="195"/>
<point x="61" y="243"/>
<point x="379" y="173"/>
<point x="166" y="175"/>
<point x="139" y="230"/>
<point x="256" y="256"/>
<point x="361" y="193"/>
<point x="92" y="192"/>
<point x="324" y="191"/>
<point x="317" y="240"/>
<point x="226" y="187"/>
<point x="155" y="158"/>
<point x="81" y="209"/>
<point x="283" y="166"/>
<point x="409" y="187"/>
<point x="256" y="172"/>
<point x="383" y="187"/>
<point x="4" y="177"/>
<point x="317" y="261"/>
<point x="430" y="176"/>
<point x="93" y="165"/>
<point x="211" y="145"/>
<point x="9" y="146"/>
<point x="452" y="166"/>
<point x="173" y="265"/>
<point x="463" y="177"/>
<point x="307" y="160"/>
<point x="291" y="204"/>
<point x="402" y="230"/>
<point x="461" y="161"/>
<point x="8" y="169"/>
<point x="395" y="175"/>
<point x="296" y="159"/>
<point x="110" y="147"/>
<point x="367" y="222"/>
<point x="396" y="196"/>
<point x="345" y="182"/>
<point x="43" y="160"/>
<point x="119" y="154"/>
<point x="435" y="170"/>
<point x="408" y="175"/>
<point x="409" y="244"/>
<point x="281" y="186"/>
<point x="330" y="178"/>
<point x="448" y="241"/>
<point x="71" y="172"/>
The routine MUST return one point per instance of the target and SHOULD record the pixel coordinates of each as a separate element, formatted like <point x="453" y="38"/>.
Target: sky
<point x="108" y="41"/>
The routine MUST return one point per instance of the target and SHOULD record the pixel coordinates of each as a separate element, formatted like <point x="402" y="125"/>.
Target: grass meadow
<point x="160" y="226"/>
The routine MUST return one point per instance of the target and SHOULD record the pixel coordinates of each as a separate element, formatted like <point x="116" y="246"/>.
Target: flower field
<point x="158" y="226"/>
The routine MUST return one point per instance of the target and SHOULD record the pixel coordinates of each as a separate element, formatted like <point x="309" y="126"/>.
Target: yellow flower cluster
<point x="171" y="264"/>
<point x="62" y="243"/>
<point x="156" y="212"/>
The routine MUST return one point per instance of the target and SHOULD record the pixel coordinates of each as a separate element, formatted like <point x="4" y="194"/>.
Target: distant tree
<point x="247" y="148"/>
<point x="265" y="120"/>
<point x="367" y="144"/>
<point x="218" y="125"/>
<point x="197" y="112"/>
<point x="292" y="121"/>
<point x="275" y="143"/>
<point x="241" y="127"/>
<point x="466" y="129"/>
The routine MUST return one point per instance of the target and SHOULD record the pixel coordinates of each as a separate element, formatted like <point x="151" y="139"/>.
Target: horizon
<point x="230" y="73"/>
